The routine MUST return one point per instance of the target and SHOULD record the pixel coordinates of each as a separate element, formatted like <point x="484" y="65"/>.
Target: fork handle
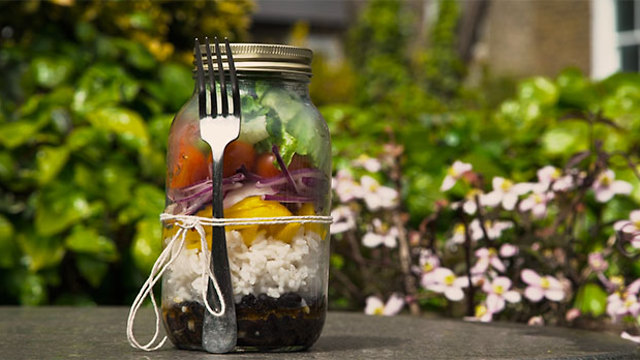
<point x="219" y="333"/>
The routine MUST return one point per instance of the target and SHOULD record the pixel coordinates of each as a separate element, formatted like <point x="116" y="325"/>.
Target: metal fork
<point x="219" y="331"/>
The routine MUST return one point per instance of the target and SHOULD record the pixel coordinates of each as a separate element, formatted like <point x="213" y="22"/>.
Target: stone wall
<point x="535" y="37"/>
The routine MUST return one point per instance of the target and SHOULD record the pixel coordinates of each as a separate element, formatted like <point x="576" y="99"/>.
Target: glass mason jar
<point x="279" y="272"/>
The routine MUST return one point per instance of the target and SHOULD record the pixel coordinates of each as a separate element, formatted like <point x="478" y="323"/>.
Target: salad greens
<point x="282" y="115"/>
<point x="280" y="155"/>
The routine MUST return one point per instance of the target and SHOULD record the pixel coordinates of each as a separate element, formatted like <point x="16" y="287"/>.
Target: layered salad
<point x="278" y="167"/>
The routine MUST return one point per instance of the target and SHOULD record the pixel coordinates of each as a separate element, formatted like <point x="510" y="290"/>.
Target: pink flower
<point x="377" y="196"/>
<point x="444" y="281"/>
<point x="481" y="314"/>
<point x="382" y="235"/>
<point x="572" y="314"/>
<point x="486" y="258"/>
<point x="455" y="172"/>
<point x="498" y="292"/>
<point x="552" y="176"/>
<point x="536" y="321"/>
<point x="470" y="204"/>
<point x="508" y="250"/>
<point x="541" y="286"/>
<point x="634" y="287"/>
<point x="625" y="335"/>
<point x="494" y="229"/>
<point x="375" y="306"/>
<point x="428" y="264"/>
<point x="344" y="219"/>
<point x="428" y="261"/>
<point x="629" y="230"/>
<point x="345" y="187"/>
<point x="368" y="163"/>
<point x="624" y="301"/>
<point x="621" y="304"/>
<point x="537" y="203"/>
<point x="597" y="262"/>
<point x="458" y="234"/>
<point x="605" y="186"/>
<point x="548" y="174"/>
<point x="506" y="193"/>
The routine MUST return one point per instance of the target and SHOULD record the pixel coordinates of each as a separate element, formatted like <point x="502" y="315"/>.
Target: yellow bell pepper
<point x="256" y="207"/>
<point x="192" y="239"/>
<point x="249" y="208"/>
<point x="320" y="229"/>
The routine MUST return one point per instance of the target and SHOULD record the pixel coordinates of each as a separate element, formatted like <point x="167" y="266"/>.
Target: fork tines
<point x="235" y="91"/>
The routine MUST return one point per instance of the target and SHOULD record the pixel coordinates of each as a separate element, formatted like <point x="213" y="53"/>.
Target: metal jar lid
<point x="263" y="58"/>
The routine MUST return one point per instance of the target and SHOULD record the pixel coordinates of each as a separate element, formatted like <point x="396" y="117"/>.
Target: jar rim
<point x="258" y="57"/>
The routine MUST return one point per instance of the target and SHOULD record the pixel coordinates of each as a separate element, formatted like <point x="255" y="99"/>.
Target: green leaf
<point x="33" y="290"/>
<point x="591" y="299"/>
<point x="175" y="86"/>
<point x="147" y="201"/>
<point x="50" y="160"/>
<point x="84" y="178"/>
<point x="40" y="252"/>
<point x="16" y="133"/>
<point x="7" y="166"/>
<point x="135" y="53"/>
<point x="103" y="86"/>
<point x="540" y="90"/>
<point x="86" y="136"/>
<point x="152" y="162"/>
<point x="125" y="123"/>
<point x="89" y="241"/>
<point x="92" y="269"/>
<point x="575" y="89"/>
<point x="59" y="207"/>
<point x="85" y="31"/>
<point x="159" y="127"/>
<point x="51" y="71"/>
<point x="117" y="179"/>
<point x="565" y="139"/>
<point x="284" y="104"/>
<point x="8" y="245"/>
<point x="337" y="261"/>
<point x="141" y="20"/>
<point x="147" y="243"/>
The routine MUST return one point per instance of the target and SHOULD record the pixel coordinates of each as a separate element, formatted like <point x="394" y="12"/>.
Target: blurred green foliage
<point x="87" y="96"/>
<point x="426" y="106"/>
<point x="416" y="96"/>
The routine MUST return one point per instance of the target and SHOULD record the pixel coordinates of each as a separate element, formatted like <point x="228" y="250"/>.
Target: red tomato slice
<point x="265" y="165"/>
<point x="190" y="166"/>
<point x="236" y="154"/>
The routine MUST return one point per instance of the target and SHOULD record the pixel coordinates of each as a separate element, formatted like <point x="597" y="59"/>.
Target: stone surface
<point x="99" y="333"/>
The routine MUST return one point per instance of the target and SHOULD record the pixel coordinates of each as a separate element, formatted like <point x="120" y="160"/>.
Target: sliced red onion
<point x="283" y="167"/>
<point x="247" y="190"/>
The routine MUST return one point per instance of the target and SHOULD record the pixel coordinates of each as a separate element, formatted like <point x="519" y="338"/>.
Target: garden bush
<point x="88" y="92"/>
<point x="522" y="211"/>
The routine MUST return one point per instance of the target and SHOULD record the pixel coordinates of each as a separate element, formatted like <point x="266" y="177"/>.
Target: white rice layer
<point x="268" y="266"/>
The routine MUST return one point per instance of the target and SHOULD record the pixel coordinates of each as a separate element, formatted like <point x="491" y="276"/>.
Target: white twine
<point x="171" y="253"/>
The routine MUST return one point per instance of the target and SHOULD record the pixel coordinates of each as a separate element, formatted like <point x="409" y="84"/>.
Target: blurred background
<point x="88" y="90"/>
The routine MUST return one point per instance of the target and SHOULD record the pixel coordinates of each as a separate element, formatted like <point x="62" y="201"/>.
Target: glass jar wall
<point x="279" y="166"/>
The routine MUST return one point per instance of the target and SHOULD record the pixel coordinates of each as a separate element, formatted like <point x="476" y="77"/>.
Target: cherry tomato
<point x="299" y="162"/>
<point x="190" y="166"/>
<point x="265" y="165"/>
<point x="236" y="154"/>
